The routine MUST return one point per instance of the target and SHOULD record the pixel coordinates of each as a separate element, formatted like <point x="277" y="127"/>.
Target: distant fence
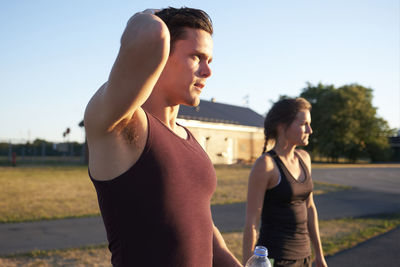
<point x="42" y="153"/>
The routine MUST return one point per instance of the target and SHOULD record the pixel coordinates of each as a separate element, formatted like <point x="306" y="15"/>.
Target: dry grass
<point x="336" y="235"/>
<point x="98" y="256"/>
<point x="232" y="184"/>
<point x="345" y="233"/>
<point x="37" y="193"/>
<point x="324" y="187"/>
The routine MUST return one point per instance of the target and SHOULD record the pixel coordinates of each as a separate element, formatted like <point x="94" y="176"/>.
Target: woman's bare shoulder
<point x="305" y="157"/>
<point x="264" y="163"/>
<point x="264" y="169"/>
<point x="303" y="154"/>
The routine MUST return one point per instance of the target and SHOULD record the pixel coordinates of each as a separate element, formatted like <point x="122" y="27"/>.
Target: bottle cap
<point x="261" y="251"/>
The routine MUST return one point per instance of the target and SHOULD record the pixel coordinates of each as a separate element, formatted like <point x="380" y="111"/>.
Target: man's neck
<point x="166" y="114"/>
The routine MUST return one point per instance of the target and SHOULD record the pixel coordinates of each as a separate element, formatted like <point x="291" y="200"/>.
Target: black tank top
<point x="158" y="213"/>
<point x="284" y="215"/>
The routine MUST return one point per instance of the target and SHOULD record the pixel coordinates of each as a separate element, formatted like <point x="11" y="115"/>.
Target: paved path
<point x="347" y="203"/>
<point x="370" y="198"/>
<point x="55" y="234"/>
<point x="382" y="250"/>
<point x="378" y="191"/>
<point x="375" y="179"/>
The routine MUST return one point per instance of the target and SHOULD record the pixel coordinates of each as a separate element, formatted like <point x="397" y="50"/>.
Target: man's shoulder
<point x="113" y="153"/>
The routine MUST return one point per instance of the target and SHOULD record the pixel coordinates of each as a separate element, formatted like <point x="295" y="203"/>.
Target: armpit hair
<point x="127" y="129"/>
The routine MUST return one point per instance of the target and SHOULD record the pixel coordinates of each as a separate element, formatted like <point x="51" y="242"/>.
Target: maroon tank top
<point x="284" y="215"/>
<point x="158" y="213"/>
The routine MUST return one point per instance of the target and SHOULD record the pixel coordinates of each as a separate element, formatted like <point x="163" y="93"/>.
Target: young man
<point x="153" y="180"/>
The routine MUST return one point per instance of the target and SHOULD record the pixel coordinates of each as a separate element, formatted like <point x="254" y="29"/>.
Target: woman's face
<point x="300" y="129"/>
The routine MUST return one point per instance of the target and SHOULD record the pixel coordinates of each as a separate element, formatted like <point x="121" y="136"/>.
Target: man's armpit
<point x="128" y="130"/>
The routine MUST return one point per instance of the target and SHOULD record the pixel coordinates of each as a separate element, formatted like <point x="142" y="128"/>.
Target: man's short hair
<point x="177" y="19"/>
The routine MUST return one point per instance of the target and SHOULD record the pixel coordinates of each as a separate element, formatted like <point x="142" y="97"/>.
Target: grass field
<point x="38" y="193"/>
<point x="336" y="235"/>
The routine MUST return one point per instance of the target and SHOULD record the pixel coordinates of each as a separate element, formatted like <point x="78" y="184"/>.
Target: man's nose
<point x="205" y="70"/>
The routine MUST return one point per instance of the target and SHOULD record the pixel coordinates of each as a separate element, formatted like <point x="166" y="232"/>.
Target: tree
<point x="323" y="141"/>
<point x="345" y="122"/>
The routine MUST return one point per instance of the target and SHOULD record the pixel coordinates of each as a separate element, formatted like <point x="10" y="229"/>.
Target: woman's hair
<point x="282" y="112"/>
<point x="177" y="19"/>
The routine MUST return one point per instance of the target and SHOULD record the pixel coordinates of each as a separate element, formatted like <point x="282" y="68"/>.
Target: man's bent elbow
<point x="145" y="28"/>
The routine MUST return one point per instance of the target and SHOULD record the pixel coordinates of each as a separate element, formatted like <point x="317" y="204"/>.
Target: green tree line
<point x="346" y="124"/>
<point x="40" y="147"/>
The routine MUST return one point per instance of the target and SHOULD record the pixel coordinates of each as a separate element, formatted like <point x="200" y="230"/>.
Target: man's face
<point x="187" y="69"/>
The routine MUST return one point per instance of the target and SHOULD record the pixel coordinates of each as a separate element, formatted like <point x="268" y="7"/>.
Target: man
<point x="153" y="180"/>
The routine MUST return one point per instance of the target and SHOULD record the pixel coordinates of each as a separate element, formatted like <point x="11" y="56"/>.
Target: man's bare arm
<point x="142" y="56"/>
<point x="221" y="254"/>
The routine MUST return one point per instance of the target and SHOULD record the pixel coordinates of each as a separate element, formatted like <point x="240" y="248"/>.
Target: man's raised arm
<point x="142" y="56"/>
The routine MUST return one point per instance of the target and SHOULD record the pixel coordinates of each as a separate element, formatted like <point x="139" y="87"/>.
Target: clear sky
<point x="55" y="54"/>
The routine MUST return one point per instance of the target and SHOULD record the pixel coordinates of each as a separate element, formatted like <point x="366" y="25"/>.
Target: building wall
<point x="227" y="143"/>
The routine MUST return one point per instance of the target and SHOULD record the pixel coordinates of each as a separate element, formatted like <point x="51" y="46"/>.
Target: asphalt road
<point x="374" y="179"/>
<point x="375" y="190"/>
<point x="382" y="250"/>
<point x="385" y="180"/>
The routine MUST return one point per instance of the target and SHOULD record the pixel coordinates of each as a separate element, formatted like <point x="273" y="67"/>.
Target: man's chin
<point x="193" y="102"/>
<point x="196" y="102"/>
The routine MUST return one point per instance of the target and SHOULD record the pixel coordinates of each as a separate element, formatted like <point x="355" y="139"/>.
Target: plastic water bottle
<point x="259" y="258"/>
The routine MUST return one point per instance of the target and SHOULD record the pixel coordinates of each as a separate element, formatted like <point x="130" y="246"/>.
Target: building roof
<point x="220" y="113"/>
<point x="211" y="111"/>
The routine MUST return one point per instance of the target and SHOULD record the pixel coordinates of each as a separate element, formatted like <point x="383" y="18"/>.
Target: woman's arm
<point x="312" y="216"/>
<point x="313" y="229"/>
<point x="261" y="178"/>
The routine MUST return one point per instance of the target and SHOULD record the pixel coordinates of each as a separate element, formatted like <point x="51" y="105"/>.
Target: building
<point x="229" y="134"/>
<point x="395" y="145"/>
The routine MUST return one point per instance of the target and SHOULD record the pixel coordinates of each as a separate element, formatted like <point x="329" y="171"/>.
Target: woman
<point x="280" y="190"/>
